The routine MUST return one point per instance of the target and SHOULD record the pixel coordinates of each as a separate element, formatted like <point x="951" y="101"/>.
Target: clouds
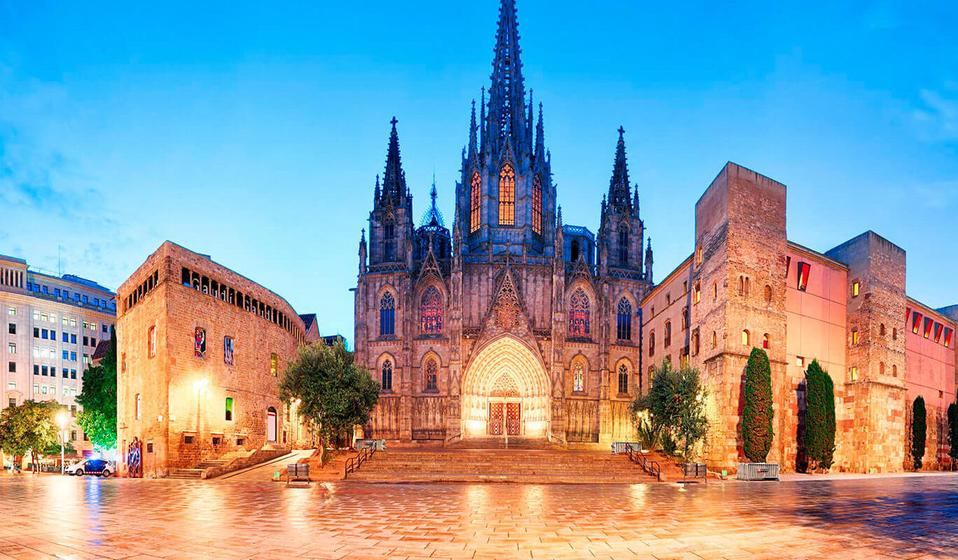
<point x="937" y="115"/>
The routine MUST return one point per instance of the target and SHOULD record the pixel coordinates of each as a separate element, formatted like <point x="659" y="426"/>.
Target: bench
<point x="619" y="447"/>
<point x="297" y="472"/>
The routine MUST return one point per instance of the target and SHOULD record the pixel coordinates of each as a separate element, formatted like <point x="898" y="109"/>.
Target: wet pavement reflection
<point x="54" y="517"/>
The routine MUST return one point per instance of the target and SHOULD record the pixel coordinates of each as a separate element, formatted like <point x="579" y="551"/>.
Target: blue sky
<point x="254" y="132"/>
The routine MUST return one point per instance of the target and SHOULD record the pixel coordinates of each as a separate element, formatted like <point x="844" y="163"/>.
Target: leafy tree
<point x="676" y="407"/>
<point x="54" y="449"/>
<point x="29" y="427"/>
<point x="334" y="393"/>
<point x="757" y="432"/>
<point x="98" y="399"/>
<point x="919" y="430"/>
<point x="819" y="416"/>
<point x="953" y="430"/>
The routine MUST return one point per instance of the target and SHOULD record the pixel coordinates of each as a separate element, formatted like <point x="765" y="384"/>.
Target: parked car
<point x="100" y="467"/>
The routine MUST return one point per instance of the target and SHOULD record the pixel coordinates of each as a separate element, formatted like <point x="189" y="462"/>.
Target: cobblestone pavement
<point x="63" y="517"/>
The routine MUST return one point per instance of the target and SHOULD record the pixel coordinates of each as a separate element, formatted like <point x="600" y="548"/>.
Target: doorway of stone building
<point x="271" y="425"/>
<point x="505" y="418"/>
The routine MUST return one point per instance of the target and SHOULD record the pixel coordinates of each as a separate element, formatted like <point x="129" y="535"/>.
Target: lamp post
<point x="62" y="420"/>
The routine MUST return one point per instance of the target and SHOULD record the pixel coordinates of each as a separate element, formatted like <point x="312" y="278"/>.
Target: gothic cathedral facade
<point x="511" y="324"/>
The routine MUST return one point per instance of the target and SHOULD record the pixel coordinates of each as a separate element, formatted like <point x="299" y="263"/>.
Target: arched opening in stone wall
<point x="505" y="392"/>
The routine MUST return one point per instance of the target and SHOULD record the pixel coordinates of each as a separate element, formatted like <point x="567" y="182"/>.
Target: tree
<point x="29" y="427"/>
<point x="953" y="430"/>
<point x="919" y="428"/>
<point x="819" y="416"/>
<point x="98" y="399"/>
<point x="676" y="408"/>
<point x="334" y="393"/>
<point x="757" y="432"/>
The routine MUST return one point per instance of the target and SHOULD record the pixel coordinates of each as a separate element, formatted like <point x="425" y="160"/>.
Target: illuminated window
<point x="507" y="196"/>
<point x="578" y="378"/>
<point x="623" y="320"/>
<point x="474" y="197"/>
<point x="856" y="288"/>
<point x="579" y="314"/>
<point x="697" y="293"/>
<point x="199" y="342"/>
<point x="623" y="245"/>
<point x="854" y="337"/>
<point x="274" y="365"/>
<point x="432" y="375"/>
<point x="765" y="341"/>
<point x="228" y="350"/>
<point x="698" y="255"/>
<point x="387" y="315"/>
<point x="150" y="342"/>
<point x="387" y="376"/>
<point x="651" y="343"/>
<point x="746" y="338"/>
<point x="938" y="330"/>
<point x="685" y="318"/>
<point x="803" y="270"/>
<point x="916" y="323"/>
<point x="948" y="334"/>
<point x="623" y="379"/>
<point x="229" y="409"/>
<point x="800" y="361"/>
<point x="928" y="326"/>
<point x="537" y="205"/>
<point x="430" y="311"/>
<point x="853" y="374"/>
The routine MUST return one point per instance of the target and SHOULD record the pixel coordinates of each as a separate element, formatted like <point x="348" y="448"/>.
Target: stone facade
<point x="201" y="352"/>
<point x="510" y="323"/>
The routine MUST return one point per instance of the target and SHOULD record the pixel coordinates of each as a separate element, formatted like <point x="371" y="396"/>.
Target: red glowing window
<point x="430" y="311"/>
<point x="579" y="314"/>
<point x="915" y="322"/>
<point x="938" y="329"/>
<point x="788" y="265"/>
<point x="948" y="333"/>
<point x="803" y="271"/>
<point x="929" y="324"/>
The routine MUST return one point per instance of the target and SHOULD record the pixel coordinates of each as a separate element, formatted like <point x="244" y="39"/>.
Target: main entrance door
<point x="496" y="418"/>
<point x="513" y="418"/>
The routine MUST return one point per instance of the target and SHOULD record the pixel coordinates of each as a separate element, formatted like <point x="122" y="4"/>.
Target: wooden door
<point x="513" y="418"/>
<point x="495" y="418"/>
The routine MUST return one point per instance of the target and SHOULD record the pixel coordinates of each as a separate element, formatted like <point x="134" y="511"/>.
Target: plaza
<point x="850" y="517"/>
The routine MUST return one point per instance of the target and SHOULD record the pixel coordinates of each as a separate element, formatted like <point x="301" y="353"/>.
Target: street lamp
<point x="62" y="420"/>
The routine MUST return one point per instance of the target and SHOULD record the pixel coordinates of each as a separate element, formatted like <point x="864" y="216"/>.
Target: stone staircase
<point x="196" y="473"/>
<point x="532" y="465"/>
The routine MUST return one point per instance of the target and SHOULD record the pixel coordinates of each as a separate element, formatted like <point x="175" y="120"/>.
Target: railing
<point x="353" y="464"/>
<point x="651" y="467"/>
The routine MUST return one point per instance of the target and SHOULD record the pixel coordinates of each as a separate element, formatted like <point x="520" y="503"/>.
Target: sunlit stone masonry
<point x="513" y="324"/>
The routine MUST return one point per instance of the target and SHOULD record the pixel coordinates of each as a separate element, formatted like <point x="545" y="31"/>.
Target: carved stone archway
<point x="506" y="371"/>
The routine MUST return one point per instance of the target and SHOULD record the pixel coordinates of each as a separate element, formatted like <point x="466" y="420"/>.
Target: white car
<point x="100" y="467"/>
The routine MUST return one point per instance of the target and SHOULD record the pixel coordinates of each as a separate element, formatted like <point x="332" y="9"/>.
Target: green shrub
<point x="819" y="416"/>
<point x="676" y="407"/>
<point x="919" y="430"/>
<point x="757" y="414"/>
<point x="648" y="434"/>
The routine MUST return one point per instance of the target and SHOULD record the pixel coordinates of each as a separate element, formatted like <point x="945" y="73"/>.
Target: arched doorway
<point x="505" y="392"/>
<point x="271" y="425"/>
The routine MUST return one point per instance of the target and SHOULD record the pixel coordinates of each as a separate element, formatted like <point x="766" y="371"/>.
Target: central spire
<point x="394" y="179"/>
<point x="619" y="189"/>
<point x="506" y="120"/>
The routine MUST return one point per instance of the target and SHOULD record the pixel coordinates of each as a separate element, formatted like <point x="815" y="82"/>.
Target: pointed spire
<point x="619" y="185"/>
<point x="362" y="252"/>
<point x="540" y="138"/>
<point x="473" y="143"/>
<point x="507" y="93"/>
<point x="482" y="121"/>
<point x="530" y="124"/>
<point x="377" y="193"/>
<point x="394" y="179"/>
<point x="648" y="261"/>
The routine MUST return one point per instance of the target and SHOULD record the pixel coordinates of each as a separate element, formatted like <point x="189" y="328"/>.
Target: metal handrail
<point x="353" y="464"/>
<point x="651" y="467"/>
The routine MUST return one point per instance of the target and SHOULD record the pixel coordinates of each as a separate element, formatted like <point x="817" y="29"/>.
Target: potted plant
<point x="757" y="415"/>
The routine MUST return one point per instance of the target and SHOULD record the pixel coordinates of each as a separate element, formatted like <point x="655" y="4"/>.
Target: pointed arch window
<point x="623" y="379"/>
<point x="387" y="375"/>
<point x="475" y="194"/>
<point x="578" y="378"/>
<point x="623" y="320"/>
<point x="579" y="314"/>
<point x="389" y="240"/>
<point x="507" y="196"/>
<point x="537" y="205"/>
<point x="432" y="375"/>
<point x="387" y="315"/>
<point x="430" y="311"/>
<point x="624" y="245"/>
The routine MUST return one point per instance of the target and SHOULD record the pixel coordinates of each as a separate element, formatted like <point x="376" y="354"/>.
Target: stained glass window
<point x="387" y="315"/>
<point x="199" y="342"/>
<point x="387" y="377"/>
<point x="537" y="205"/>
<point x="623" y="379"/>
<point x="623" y="321"/>
<point x="432" y="375"/>
<point x="579" y="314"/>
<point x="430" y="311"/>
<point x="475" y="219"/>
<point x="578" y="378"/>
<point x="507" y="196"/>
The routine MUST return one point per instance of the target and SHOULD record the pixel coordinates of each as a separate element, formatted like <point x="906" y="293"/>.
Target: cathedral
<point x="509" y="324"/>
